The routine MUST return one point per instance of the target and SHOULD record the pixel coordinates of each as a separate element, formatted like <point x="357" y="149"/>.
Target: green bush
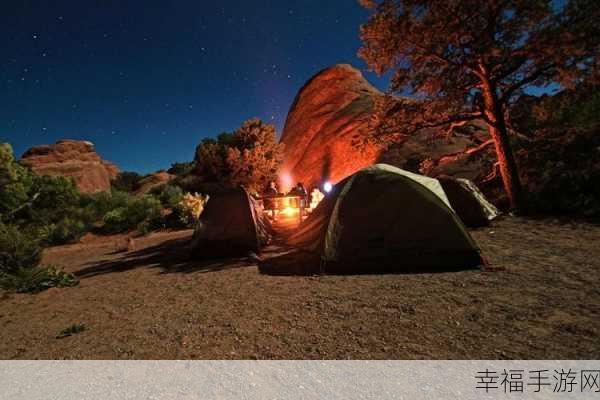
<point x="17" y="250"/>
<point x="19" y="259"/>
<point x="126" y="181"/>
<point x="36" y="279"/>
<point x="66" y="231"/>
<point x="169" y="195"/>
<point x="146" y="209"/>
<point x="116" y="220"/>
<point x="100" y="203"/>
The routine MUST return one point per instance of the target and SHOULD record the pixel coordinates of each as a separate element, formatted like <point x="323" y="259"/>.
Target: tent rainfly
<point x="383" y="219"/>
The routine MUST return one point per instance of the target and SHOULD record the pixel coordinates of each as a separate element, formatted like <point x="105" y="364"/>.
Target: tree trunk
<point x="506" y="160"/>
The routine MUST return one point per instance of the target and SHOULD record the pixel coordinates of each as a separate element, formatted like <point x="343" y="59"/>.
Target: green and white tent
<point x="384" y="219"/>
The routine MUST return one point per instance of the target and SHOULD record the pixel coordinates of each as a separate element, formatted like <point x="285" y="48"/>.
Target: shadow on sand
<point x="170" y="256"/>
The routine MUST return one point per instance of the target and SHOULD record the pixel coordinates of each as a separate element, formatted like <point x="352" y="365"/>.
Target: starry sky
<point x="146" y="81"/>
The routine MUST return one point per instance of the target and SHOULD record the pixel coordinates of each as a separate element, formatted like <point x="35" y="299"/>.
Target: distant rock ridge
<point x="334" y="108"/>
<point x="72" y="158"/>
<point x="153" y="180"/>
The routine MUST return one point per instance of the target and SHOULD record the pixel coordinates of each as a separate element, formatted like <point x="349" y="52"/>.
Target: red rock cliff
<point x="72" y="158"/>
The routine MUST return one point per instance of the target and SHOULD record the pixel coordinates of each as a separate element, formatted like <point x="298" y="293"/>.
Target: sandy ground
<point x="541" y="301"/>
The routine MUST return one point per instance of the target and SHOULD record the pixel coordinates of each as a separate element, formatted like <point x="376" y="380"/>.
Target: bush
<point x="19" y="259"/>
<point x="116" y="220"/>
<point x="36" y="279"/>
<point x="126" y="181"/>
<point x="101" y="203"/>
<point x="169" y="195"/>
<point x="66" y="231"/>
<point x="143" y="209"/>
<point x="190" y="208"/>
<point x="17" y="250"/>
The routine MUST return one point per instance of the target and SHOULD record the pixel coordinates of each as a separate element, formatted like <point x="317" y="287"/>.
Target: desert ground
<point x="539" y="300"/>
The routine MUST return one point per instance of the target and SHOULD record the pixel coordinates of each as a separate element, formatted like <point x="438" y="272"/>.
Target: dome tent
<point x="383" y="219"/>
<point x="231" y="225"/>
<point x="468" y="202"/>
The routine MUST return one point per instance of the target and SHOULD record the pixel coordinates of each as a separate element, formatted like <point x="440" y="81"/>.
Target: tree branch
<point x="531" y="78"/>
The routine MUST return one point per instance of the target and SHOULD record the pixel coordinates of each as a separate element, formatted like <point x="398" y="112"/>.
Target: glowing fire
<point x="290" y="211"/>
<point x="286" y="182"/>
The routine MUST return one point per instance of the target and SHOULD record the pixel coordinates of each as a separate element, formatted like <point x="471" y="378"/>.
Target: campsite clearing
<point x="541" y="301"/>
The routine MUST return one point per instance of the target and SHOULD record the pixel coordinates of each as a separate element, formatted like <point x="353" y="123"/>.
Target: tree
<point x="126" y="181"/>
<point x="249" y="157"/>
<point x="468" y="60"/>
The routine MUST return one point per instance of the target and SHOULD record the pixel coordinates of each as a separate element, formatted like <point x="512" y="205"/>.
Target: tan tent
<point x="468" y="202"/>
<point x="382" y="219"/>
<point x="232" y="224"/>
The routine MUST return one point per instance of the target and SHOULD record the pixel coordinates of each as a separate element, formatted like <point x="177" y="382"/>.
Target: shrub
<point x="191" y="207"/>
<point x="101" y="203"/>
<point x="19" y="259"/>
<point x="116" y="220"/>
<point x="169" y="195"/>
<point x="17" y="250"/>
<point x="71" y="330"/>
<point x="36" y="279"/>
<point x="126" y="181"/>
<point x="143" y="209"/>
<point x="66" y="231"/>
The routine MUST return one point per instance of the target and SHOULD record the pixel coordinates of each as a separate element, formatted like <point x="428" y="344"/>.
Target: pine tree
<point x="467" y="60"/>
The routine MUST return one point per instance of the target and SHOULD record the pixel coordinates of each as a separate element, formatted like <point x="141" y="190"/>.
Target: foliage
<point x="471" y="60"/>
<point x="137" y="211"/>
<point x="561" y="168"/>
<point x="19" y="259"/>
<point x="126" y="181"/>
<point x="17" y="250"/>
<point x="182" y="168"/>
<point x="71" y="330"/>
<point x="574" y="108"/>
<point x="16" y="182"/>
<point x="36" y="279"/>
<point x="248" y="157"/>
<point x="168" y="194"/>
<point x="191" y="207"/>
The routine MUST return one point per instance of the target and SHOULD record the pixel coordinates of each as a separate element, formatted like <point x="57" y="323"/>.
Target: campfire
<point x="285" y="206"/>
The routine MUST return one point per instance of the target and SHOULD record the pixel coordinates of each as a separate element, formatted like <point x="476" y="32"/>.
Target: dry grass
<point x="153" y="303"/>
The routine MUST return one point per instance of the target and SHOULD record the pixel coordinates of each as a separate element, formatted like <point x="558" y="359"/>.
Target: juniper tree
<point x="467" y="60"/>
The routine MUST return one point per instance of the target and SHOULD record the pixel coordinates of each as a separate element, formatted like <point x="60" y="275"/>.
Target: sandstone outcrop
<point x="334" y="108"/>
<point x="149" y="182"/>
<point x="72" y="158"/>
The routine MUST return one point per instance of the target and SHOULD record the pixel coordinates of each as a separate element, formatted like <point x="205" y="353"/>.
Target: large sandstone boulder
<point x="331" y="108"/>
<point x="334" y="108"/>
<point x="72" y="158"/>
<point x="156" y="179"/>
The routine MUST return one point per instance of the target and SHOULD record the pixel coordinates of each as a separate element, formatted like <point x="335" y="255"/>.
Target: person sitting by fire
<point x="300" y="190"/>
<point x="271" y="190"/>
<point x="269" y="202"/>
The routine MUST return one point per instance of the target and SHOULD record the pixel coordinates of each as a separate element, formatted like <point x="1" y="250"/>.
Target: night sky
<point x="147" y="80"/>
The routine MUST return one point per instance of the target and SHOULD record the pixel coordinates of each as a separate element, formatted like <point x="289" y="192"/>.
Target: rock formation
<point x="153" y="180"/>
<point x="333" y="108"/>
<point x="72" y="158"/>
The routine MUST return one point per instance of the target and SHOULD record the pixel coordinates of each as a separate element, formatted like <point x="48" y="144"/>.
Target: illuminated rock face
<point x="328" y="112"/>
<point x="333" y="108"/>
<point x="72" y="158"/>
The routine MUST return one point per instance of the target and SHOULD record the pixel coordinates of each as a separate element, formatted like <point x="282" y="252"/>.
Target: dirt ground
<point x="541" y="301"/>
